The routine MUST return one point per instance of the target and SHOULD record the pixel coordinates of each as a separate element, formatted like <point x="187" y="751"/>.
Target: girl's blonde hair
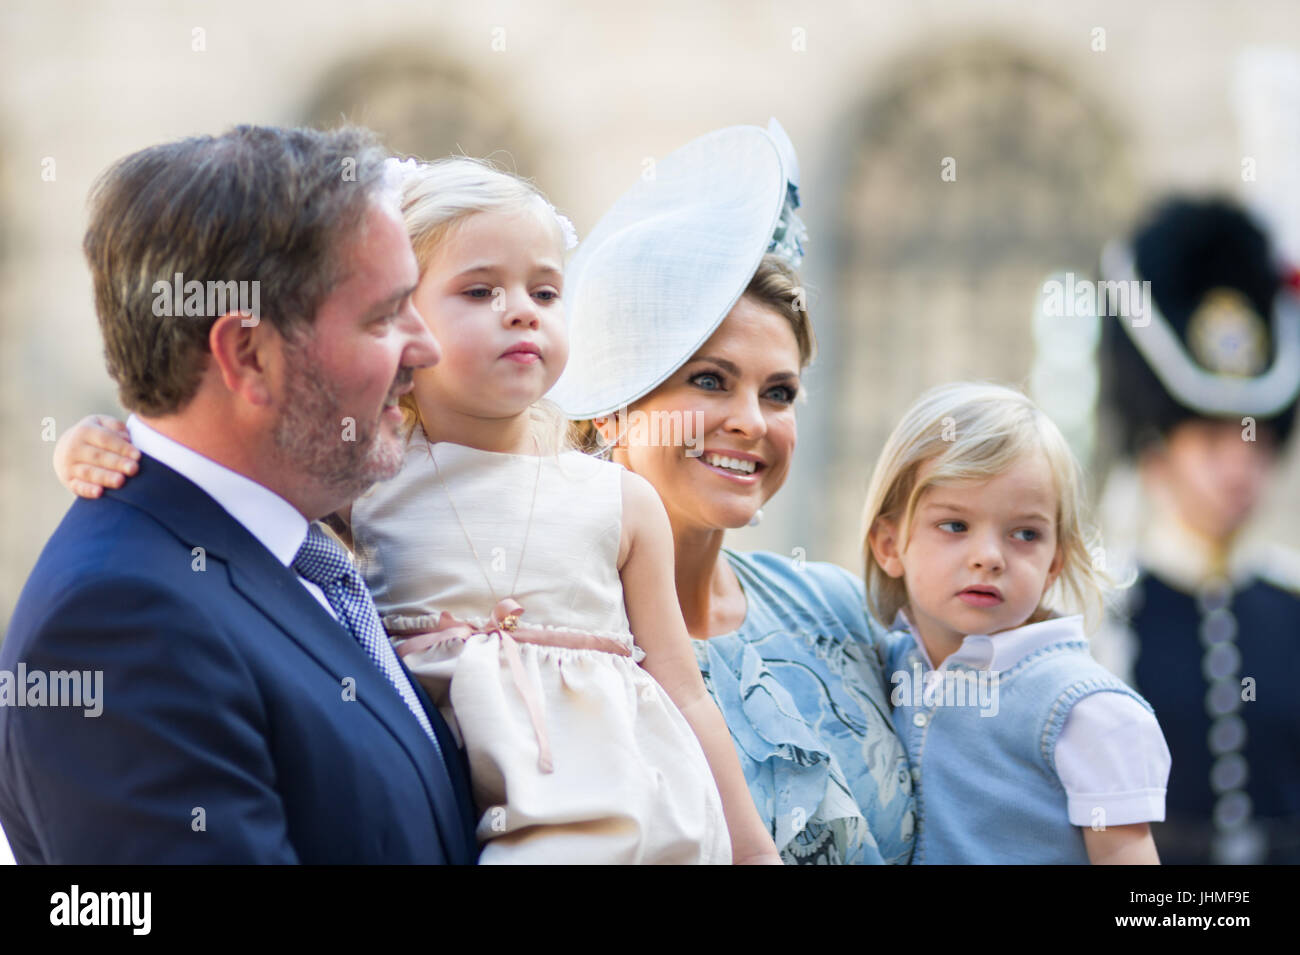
<point x="973" y="432"/>
<point x="438" y="196"/>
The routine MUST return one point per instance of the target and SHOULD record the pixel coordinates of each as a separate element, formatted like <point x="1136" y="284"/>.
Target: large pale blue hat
<point x="661" y="270"/>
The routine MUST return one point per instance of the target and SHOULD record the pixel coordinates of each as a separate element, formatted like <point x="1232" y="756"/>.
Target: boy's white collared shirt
<point x="1111" y="754"/>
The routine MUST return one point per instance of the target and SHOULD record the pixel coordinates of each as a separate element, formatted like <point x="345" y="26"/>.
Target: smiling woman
<point x="741" y="388"/>
<point x="684" y="302"/>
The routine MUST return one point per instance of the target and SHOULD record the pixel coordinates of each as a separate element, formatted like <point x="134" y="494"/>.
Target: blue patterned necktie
<point x="324" y="563"/>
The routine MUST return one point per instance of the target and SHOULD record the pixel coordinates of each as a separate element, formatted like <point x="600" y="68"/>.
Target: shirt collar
<point x="1184" y="558"/>
<point x="1001" y="651"/>
<point x="275" y="522"/>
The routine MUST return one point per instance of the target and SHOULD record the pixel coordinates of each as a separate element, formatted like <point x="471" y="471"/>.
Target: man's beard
<point x="315" y="439"/>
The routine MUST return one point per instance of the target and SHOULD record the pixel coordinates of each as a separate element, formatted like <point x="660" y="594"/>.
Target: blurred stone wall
<point x="913" y="279"/>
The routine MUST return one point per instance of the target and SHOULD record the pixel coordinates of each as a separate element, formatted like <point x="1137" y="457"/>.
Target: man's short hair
<point x="257" y="204"/>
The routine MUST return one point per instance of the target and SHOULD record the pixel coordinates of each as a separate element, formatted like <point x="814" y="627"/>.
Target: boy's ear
<point x="884" y="541"/>
<point x="1054" y="568"/>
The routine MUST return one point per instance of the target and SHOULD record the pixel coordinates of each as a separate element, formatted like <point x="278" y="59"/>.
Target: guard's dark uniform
<point x="1213" y="638"/>
<point x="1234" y="787"/>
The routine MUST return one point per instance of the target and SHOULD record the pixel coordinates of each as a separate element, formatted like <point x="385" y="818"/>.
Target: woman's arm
<point x="656" y="619"/>
<point x="1121" y="845"/>
<point x="93" y="454"/>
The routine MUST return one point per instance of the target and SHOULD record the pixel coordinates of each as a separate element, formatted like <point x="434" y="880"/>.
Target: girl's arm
<point x="1121" y="845"/>
<point x="93" y="454"/>
<point x="97" y="452"/>
<point x="649" y="589"/>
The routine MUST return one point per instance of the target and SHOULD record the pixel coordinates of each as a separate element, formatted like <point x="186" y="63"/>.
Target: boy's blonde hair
<point x="973" y="432"/>
<point x="438" y="196"/>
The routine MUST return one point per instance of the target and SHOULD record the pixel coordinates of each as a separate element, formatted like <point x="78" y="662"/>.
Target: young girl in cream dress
<point x="513" y="574"/>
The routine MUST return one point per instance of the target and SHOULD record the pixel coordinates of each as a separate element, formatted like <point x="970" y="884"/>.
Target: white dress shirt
<point x="275" y="522"/>
<point x="1111" y="753"/>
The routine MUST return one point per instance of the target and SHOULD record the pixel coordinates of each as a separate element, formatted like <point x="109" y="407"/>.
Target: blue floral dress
<point x="801" y="687"/>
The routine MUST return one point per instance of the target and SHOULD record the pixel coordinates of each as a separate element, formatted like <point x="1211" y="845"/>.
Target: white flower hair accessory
<point x="566" y="229"/>
<point x="400" y="168"/>
<point x="396" y="172"/>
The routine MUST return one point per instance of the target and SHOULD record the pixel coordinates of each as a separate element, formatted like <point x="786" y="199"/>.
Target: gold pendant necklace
<point x="512" y="621"/>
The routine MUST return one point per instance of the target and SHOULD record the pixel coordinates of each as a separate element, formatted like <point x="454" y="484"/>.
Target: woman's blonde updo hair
<point x="974" y="432"/>
<point x="435" y="198"/>
<point x="774" y="285"/>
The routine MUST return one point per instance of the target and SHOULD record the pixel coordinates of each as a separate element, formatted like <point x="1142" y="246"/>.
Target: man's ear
<point x="246" y="355"/>
<point x="883" y="539"/>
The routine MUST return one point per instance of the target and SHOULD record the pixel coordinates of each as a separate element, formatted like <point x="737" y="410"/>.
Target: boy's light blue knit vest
<point x="986" y="787"/>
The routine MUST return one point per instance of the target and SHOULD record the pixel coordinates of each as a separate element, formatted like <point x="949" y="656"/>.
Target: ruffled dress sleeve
<point x="801" y="688"/>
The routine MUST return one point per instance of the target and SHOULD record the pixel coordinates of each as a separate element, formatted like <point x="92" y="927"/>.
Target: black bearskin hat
<point x="1234" y="350"/>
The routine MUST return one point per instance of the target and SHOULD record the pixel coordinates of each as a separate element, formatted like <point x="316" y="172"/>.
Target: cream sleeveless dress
<point x="628" y="781"/>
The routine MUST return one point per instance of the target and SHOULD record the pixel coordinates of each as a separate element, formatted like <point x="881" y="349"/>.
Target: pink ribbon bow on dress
<point x="505" y="624"/>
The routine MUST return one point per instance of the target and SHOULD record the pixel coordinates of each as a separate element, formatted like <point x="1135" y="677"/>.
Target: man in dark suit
<point x="248" y="708"/>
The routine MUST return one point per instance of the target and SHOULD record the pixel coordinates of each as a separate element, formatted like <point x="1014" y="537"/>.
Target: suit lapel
<point x="275" y="590"/>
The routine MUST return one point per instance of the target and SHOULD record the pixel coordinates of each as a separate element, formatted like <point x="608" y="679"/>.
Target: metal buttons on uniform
<point x="1236" y="840"/>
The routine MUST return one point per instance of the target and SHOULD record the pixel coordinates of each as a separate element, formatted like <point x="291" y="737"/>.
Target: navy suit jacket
<point x="240" y="721"/>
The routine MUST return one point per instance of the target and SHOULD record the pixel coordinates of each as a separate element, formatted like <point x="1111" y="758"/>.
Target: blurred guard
<point x="1202" y="391"/>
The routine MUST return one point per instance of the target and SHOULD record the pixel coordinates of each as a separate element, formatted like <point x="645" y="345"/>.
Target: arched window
<point x="423" y="105"/>
<point x="962" y="182"/>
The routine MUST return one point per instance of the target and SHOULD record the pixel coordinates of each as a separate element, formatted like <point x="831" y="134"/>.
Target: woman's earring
<point x="757" y="518"/>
